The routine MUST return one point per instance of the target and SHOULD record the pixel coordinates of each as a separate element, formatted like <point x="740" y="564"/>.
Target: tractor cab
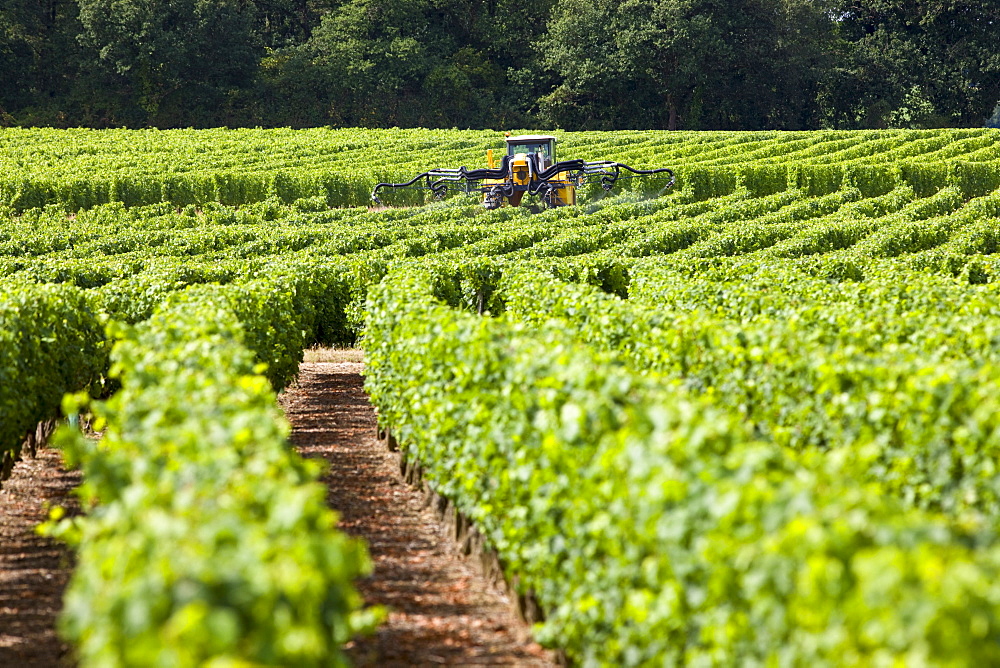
<point x="543" y="146"/>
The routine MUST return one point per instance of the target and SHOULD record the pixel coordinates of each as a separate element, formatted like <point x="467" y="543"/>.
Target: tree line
<point x="575" y="64"/>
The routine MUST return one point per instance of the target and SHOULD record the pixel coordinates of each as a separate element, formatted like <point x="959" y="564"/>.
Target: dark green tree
<point x="375" y="54"/>
<point x="283" y="23"/>
<point x="18" y="60"/>
<point x="40" y="61"/>
<point x="914" y="64"/>
<point x="696" y="64"/>
<point x="416" y="62"/>
<point x="177" y="60"/>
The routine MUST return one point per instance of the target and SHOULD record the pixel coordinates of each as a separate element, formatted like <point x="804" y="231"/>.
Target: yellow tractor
<point x="528" y="167"/>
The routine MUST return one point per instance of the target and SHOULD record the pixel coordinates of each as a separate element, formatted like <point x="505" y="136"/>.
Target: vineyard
<point x="753" y="419"/>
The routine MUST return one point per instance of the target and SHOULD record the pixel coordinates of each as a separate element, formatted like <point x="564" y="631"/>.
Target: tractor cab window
<point x="538" y="147"/>
<point x="541" y="149"/>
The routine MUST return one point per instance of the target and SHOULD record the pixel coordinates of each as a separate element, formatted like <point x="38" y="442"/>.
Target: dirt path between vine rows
<point x="441" y="610"/>
<point x="33" y="570"/>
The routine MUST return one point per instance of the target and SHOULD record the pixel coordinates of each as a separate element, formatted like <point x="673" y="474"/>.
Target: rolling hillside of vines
<point x="751" y="419"/>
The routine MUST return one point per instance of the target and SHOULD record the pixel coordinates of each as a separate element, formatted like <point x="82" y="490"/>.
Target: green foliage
<point x="175" y="54"/>
<point x="689" y="64"/>
<point x="788" y="363"/>
<point x="51" y="343"/>
<point x="211" y="540"/>
<point x="913" y="65"/>
<point x="79" y="170"/>
<point x="764" y="180"/>
<point x="667" y="64"/>
<point x="412" y="63"/>
<point x="750" y="419"/>
<point x="707" y="182"/>
<point x="976" y="179"/>
<point x="651" y="524"/>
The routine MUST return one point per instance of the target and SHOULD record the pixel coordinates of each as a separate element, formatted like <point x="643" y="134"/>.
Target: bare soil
<point x="442" y="611"/>
<point x="33" y="570"/>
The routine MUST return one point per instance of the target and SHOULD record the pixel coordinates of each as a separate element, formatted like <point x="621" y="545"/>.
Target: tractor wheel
<point x="550" y="198"/>
<point x="493" y="198"/>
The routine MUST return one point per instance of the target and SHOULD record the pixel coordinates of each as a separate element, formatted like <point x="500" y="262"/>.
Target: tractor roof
<point x="522" y="139"/>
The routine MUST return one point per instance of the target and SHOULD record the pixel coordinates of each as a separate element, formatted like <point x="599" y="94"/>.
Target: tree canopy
<point x="684" y="64"/>
<point x="691" y="63"/>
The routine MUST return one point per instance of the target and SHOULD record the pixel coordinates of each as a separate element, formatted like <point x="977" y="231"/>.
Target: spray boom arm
<point x="579" y="172"/>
